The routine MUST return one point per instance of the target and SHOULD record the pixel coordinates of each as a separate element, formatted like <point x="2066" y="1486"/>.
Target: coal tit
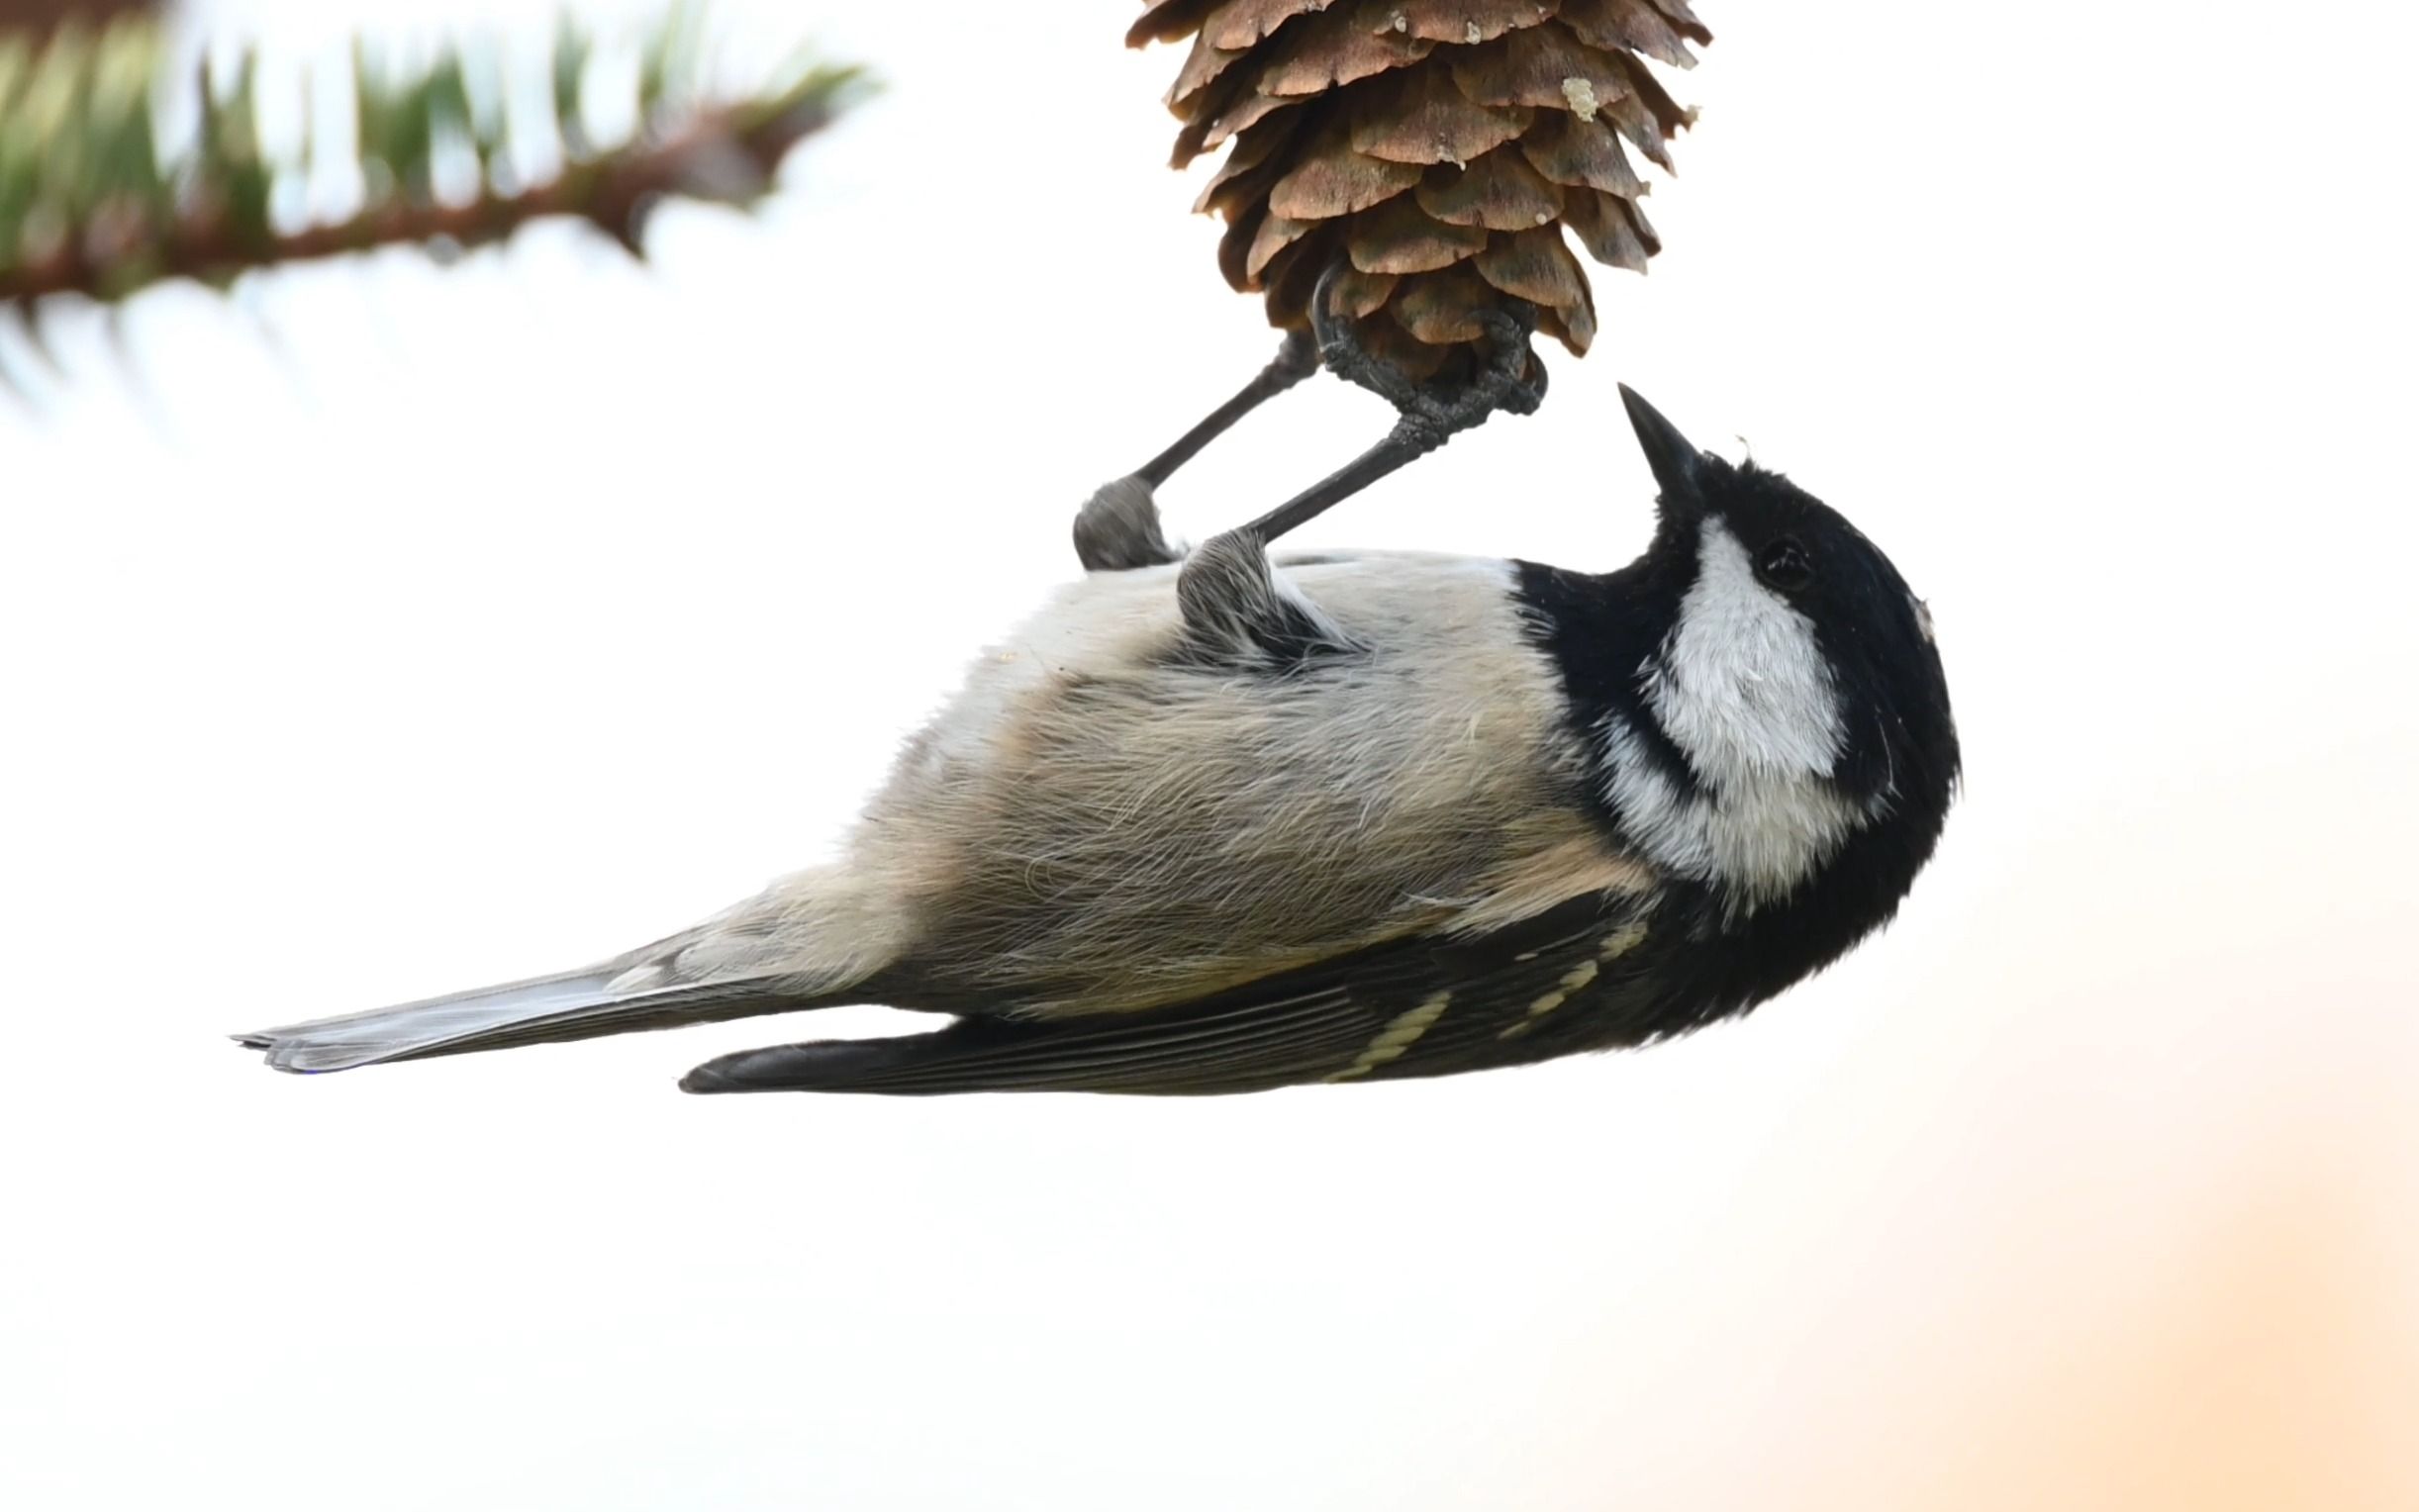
<point x="1225" y="820"/>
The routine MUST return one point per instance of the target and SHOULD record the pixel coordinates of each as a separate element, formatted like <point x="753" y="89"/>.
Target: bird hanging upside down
<point x="1217" y="822"/>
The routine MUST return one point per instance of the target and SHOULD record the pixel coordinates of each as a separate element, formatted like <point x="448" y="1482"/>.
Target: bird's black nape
<point x="1897" y="759"/>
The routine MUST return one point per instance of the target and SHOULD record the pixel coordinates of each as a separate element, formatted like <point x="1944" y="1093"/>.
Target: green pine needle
<point x="105" y="187"/>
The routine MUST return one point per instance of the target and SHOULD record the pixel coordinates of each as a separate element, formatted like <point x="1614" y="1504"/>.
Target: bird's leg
<point x="1118" y="527"/>
<point x="1509" y="376"/>
<point x="1232" y="599"/>
<point x="1297" y="358"/>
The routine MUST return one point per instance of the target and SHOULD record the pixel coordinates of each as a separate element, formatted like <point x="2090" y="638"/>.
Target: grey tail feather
<point x="569" y="1005"/>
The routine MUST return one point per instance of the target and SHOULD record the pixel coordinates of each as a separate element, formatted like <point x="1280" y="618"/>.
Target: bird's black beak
<point x="1675" y="462"/>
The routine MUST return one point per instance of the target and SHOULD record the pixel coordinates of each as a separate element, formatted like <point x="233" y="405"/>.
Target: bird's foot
<point x="1507" y="374"/>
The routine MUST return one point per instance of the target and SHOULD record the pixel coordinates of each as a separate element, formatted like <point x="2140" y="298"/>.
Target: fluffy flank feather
<point x="1069" y="834"/>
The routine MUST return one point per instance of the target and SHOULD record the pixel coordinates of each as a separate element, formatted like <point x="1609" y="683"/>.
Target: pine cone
<point x="1441" y="145"/>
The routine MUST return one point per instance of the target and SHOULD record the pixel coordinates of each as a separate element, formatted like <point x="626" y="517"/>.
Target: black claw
<point x="1340" y="347"/>
<point x="1508" y="324"/>
<point x="1510" y="375"/>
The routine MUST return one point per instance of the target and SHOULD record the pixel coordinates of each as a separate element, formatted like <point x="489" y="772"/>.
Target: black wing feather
<point x="1329" y="1021"/>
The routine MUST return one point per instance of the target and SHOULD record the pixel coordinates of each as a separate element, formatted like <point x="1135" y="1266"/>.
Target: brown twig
<point x="720" y="156"/>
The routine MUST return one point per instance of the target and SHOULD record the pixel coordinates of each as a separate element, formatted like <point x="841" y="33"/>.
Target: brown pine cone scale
<point x="1439" y="147"/>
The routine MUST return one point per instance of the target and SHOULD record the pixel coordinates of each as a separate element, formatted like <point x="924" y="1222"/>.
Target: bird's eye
<point x="1784" y="563"/>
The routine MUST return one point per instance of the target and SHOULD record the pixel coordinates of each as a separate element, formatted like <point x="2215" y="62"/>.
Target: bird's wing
<point x="1425" y="1006"/>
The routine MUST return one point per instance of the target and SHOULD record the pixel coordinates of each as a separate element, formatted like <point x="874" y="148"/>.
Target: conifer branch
<point x="110" y="181"/>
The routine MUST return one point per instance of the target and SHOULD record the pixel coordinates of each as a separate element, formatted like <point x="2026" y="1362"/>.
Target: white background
<point x="382" y="630"/>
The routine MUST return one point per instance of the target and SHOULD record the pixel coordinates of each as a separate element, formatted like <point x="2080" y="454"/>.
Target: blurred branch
<point x="43" y="15"/>
<point x="97" y="198"/>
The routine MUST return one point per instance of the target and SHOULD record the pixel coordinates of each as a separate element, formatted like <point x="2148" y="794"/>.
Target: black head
<point x="1874" y="634"/>
<point x="1768" y="716"/>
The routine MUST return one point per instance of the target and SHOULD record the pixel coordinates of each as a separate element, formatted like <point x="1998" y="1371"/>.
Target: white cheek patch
<point x="1741" y="684"/>
<point x="1742" y="688"/>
